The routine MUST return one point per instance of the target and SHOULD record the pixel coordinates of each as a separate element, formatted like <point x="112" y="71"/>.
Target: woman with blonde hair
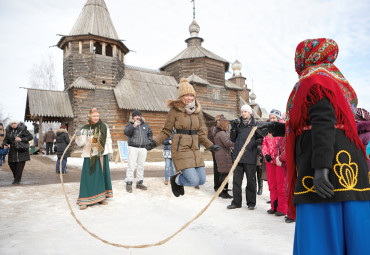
<point x="185" y="116"/>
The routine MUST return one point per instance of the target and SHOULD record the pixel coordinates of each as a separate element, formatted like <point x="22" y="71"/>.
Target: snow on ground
<point x="37" y="220"/>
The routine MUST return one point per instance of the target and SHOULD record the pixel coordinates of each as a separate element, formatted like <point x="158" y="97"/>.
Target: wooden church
<point x="95" y="75"/>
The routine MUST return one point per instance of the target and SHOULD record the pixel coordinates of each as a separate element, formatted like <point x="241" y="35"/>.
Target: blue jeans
<point x="64" y="166"/>
<point x="168" y="165"/>
<point x="35" y="143"/>
<point x="4" y="152"/>
<point x="192" y="176"/>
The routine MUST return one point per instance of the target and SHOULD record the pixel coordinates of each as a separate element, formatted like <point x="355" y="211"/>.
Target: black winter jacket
<point x="139" y="136"/>
<point x="238" y="135"/>
<point x="21" y="131"/>
<point x="62" y="141"/>
<point x="325" y="146"/>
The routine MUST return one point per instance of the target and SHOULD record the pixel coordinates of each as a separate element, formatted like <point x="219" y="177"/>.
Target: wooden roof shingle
<point x="49" y="103"/>
<point x="95" y="19"/>
<point x="81" y="83"/>
<point x="148" y="91"/>
<point x="196" y="51"/>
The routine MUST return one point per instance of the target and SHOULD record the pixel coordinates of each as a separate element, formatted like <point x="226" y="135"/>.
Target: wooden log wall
<point x="211" y="70"/>
<point x="93" y="67"/>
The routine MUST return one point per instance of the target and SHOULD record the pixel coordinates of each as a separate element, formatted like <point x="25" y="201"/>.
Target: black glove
<point x="259" y="141"/>
<point x="234" y="123"/>
<point x="214" y="148"/>
<point x="321" y="183"/>
<point x="264" y="128"/>
<point x="268" y="158"/>
<point x="151" y="145"/>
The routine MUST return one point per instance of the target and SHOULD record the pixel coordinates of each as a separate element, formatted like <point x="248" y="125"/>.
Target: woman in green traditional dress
<point x="95" y="185"/>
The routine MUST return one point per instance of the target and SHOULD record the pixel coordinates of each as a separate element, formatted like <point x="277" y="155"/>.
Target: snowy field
<point x="37" y="220"/>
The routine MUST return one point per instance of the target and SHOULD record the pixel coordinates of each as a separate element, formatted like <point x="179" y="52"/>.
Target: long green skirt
<point x="97" y="186"/>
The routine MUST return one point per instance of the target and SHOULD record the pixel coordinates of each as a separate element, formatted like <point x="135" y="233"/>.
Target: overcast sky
<point x="261" y="34"/>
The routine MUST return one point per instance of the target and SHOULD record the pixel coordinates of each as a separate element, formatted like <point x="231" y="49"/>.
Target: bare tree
<point x="4" y="118"/>
<point x="42" y="76"/>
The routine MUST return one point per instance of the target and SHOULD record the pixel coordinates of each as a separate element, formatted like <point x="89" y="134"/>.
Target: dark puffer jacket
<point x="22" y="132"/>
<point x="138" y="136"/>
<point x="62" y="141"/>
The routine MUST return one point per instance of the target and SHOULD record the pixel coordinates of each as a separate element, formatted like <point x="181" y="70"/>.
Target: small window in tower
<point x="216" y="94"/>
<point x="97" y="48"/>
<point x="108" y="50"/>
<point x="103" y="82"/>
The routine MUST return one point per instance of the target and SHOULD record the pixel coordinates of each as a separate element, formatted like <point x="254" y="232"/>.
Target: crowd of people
<point x="316" y="155"/>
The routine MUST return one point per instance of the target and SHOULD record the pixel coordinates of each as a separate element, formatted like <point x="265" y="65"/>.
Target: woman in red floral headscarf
<point x="327" y="170"/>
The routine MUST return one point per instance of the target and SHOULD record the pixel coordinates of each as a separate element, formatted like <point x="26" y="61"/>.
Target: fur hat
<point x="185" y="88"/>
<point x="136" y="112"/>
<point x="277" y="113"/>
<point x="247" y="108"/>
<point x="13" y="122"/>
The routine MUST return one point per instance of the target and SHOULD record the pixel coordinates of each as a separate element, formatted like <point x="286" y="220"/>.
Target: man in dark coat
<point x="62" y="141"/>
<point x="240" y="129"/>
<point x="16" y="132"/>
<point x="139" y="136"/>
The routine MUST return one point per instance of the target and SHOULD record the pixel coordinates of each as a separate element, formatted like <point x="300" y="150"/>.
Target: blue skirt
<point x="333" y="228"/>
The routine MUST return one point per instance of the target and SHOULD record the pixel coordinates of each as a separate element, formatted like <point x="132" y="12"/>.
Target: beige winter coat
<point x="85" y="140"/>
<point x="185" y="148"/>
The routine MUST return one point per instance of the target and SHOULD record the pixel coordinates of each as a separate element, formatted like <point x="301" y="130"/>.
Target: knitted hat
<point x="136" y="112"/>
<point x="93" y="111"/>
<point x="277" y="113"/>
<point x="14" y="122"/>
<point x="246" y="108"/>
<point x="63" y="127"/>
<point x="185" y="88"/>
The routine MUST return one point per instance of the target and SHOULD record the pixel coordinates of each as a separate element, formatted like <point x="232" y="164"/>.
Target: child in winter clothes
<point x="169" y="166"/>
<point x="275" y="173"/>
<point x="281" y="166"/>
<point x="223" y="156"/>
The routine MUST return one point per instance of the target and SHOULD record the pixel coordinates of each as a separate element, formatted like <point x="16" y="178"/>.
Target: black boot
<point x="177" y="190"/>
<point x="225" y="195"/>
<point x="129" y="187"/>
<point x="260" y="187"/>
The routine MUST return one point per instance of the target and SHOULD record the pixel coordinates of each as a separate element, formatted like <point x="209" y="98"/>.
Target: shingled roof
<point x="81" y="83"/>
<point x="95" y="19"/>
<point x="196" y="51"/>
<point x="145" y="90"/>
<point x="48" y="103"/>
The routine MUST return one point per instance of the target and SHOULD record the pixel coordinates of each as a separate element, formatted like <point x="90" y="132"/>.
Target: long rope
<point x="178" y="231"/>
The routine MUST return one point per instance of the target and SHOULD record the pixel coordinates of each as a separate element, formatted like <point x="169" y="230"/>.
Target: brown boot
<point x="165" y="182"/>
<point x="104" y="202"/>
<point x="83" y="207"/>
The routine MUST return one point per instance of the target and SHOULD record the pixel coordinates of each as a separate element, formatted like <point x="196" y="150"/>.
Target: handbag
<point x="22" y="146"/>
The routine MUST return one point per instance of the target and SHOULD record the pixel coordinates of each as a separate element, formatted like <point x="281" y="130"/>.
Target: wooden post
<point x="41" y="138"/>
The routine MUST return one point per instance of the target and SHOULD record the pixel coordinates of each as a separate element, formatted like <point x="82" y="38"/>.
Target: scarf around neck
<point x="99" y="136"/>
<point x="190" y="107"/>
<point x="318" y="78"/>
